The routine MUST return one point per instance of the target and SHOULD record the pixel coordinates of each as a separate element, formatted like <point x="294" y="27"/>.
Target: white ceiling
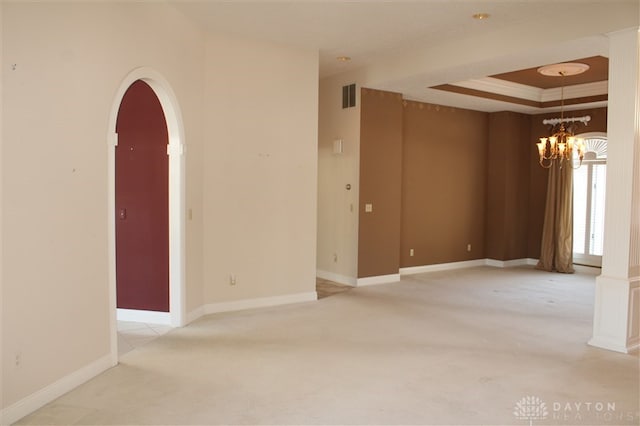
<point x="368" y="31"/>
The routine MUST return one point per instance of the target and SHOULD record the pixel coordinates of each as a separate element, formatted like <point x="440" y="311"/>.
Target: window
<point x="589" y="183"/>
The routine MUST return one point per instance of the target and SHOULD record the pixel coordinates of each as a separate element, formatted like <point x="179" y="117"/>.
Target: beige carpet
<point x="457" y="347"/>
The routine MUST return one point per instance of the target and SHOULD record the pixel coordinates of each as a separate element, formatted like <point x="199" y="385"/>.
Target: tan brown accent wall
<point x="380" y="182"/>
<point x="508" y="163"/>
<point x="538" y="175"/>
<point x="443" y="184"/>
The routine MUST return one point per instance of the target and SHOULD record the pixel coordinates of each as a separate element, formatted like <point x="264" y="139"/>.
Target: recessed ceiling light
<point x="343" y="58"/>
<point x="480" y="16"/>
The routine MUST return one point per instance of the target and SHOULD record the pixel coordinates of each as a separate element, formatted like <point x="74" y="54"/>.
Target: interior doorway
<point x="142" y="202"/>
<point x="176" y="315"/>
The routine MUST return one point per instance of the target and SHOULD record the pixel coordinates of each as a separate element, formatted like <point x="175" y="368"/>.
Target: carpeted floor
<point x="473" y="346"/>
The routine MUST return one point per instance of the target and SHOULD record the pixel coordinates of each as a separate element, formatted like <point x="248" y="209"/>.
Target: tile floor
<point x="132" y="335"/>
<point x="326" y="288"/>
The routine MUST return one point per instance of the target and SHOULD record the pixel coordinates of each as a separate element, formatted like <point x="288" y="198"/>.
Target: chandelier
<point x="562" y="146"/>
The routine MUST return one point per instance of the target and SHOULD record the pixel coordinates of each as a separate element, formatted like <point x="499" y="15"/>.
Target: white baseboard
<point x="467" y="264"/>
<point x="150" y="317"/>
<point x="379" y="279"/>
<point x="591" y="270"/>
<point x="262" y="302"/>
<point x="195" y="314"/>
<point x="511" y="263"/>
<point x="336" y="278"/>
<point x="37" y="400"/>
<point x="612" y="345"/>
<point x="442" y="267"/>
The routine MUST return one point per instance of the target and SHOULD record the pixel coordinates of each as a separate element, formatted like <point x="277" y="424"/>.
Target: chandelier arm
<point x="576" y="167"/>
<point x="548" y="165"/>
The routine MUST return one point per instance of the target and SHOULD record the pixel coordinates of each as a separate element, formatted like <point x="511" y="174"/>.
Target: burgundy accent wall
<point x="443" y="184"/>
<point x="538" y="175"/>
<point x="142" y="202"/>
<point x="507" y="204"/>
<point x="380" y="182"/>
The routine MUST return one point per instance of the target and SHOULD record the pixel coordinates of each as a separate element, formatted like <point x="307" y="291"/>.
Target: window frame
<point x="588" y="258"/>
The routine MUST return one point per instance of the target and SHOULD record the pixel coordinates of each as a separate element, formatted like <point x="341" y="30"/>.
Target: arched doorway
<point x="142" y="202"/>
<point x="176" y="199"/>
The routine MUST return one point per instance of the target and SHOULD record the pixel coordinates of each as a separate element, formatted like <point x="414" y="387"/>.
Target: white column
<point x="616" y="322"/>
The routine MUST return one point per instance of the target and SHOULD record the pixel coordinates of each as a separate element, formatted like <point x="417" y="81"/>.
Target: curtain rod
<point x="584" y="119"/>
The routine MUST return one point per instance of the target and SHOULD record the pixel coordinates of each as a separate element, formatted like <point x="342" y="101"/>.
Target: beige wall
<point x="260" y="170"/>
<point x="250" y="119"/>
<point x="70" y="60"/>
<point x="337" y="254"/>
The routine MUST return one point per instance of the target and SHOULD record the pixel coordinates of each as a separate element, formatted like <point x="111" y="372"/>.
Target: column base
<point x="616" y="318"/>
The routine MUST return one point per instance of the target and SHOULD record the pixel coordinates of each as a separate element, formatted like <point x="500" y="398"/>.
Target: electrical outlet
<point x="469" y="247"/>
<point x="232" y="279"/>
<point x="18" y="360"/>
<point x="410" y="252"/>
<point x="335" y="258"/>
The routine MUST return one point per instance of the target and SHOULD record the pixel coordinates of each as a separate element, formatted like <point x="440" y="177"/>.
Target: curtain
<point x="556" y="252"/>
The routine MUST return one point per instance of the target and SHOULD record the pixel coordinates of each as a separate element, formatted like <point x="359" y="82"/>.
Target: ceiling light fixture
<point x="562" y="145"/>
<point x="480" y="16"/>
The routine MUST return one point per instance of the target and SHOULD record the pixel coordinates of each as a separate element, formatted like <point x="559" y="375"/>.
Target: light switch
<point x="368" y="208"/>
<point x="337" y="146"/>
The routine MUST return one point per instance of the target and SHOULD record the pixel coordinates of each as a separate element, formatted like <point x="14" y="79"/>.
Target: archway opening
<point x="176" y="199"/>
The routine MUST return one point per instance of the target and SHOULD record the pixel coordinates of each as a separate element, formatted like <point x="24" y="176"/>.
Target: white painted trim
<point x="575" y="91"/>
<point x="441" y="267"/>
<point x="612" y="313"/>
<point x="610" y="344"/>
<point x="38" y="399"/>
<point x="585" y="269"/>
<point x="150" y="317"/>
<point x="195" y="314"/>
<point x="511" y="263"/>
<point x="468" y="264"/>
<point x="379" y="279"/>
<point x="502" y="87"/>
<point x="590" y="135"/>
<point x="337" y="278"/>
<point x="633" y="323"/>
<point x="522" y="91"/>
<point x="177" y="203"/>
<point x="261" y="302"/>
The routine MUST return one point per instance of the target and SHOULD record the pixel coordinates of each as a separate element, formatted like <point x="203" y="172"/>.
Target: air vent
<point x="349" y="96"/>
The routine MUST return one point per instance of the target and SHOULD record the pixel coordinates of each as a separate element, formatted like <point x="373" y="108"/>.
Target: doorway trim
<point x="177" y="227"/>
